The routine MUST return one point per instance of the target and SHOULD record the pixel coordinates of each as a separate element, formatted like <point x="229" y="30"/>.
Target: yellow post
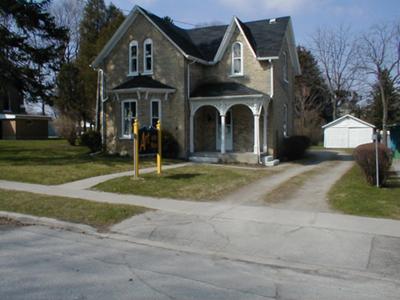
<point x="136" y="147"/>
<point x="159" y="142"/>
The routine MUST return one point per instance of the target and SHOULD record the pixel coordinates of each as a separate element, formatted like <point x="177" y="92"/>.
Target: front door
<point x="228" y="131"/>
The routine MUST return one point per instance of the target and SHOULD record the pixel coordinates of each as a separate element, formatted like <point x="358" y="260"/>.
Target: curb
<point x="33" y="220"/>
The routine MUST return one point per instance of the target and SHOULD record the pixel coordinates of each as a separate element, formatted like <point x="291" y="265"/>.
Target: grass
<point x="352" y="195"/>
<point x="99" y="215"/>
<point x="197" y="182"/>
<point x="55" y="162"/>
<point x="288" y="188"/>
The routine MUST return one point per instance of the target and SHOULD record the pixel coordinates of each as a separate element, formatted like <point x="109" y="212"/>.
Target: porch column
<point x="191" y="134"/>
<point x="265" y="131"/>
<point x="222" y="134"/>
<point x="256" y="134"/>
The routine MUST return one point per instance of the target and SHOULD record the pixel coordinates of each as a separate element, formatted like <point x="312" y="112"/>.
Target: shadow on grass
<point x="182" y="176"/>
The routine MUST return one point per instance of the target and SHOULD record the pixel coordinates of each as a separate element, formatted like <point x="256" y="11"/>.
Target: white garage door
<point x="359" y="136"/>
<point x="341" y="137"/>
<point x="336" y="137"/>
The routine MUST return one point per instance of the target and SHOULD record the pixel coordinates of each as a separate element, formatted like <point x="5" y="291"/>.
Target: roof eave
<point x="143" y="89"/>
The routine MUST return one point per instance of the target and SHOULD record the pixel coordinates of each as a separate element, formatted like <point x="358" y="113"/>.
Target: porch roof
<point x="224" y="89"/>
<point x="142" y="83"/>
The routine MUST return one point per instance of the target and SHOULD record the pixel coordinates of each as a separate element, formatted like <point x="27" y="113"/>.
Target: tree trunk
<point x="43" y="108"/>
<point x="334" y="108"/>
<point x="384" y="113"/>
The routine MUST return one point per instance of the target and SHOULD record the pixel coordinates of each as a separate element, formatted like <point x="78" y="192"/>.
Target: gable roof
<point x="206" y="45"/>
<point x="141" y="81"/>
<point x="345" y="117"/>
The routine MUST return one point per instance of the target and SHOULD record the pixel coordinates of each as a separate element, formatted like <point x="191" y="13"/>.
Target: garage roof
<point x="345" y="117"/>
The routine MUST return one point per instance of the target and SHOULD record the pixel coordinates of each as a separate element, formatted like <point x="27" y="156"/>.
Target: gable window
<point x="129" y="114"/>
<point x="237" y="59"/>
<point x="133" y="58"/>
<point x="285" y="67"/>
<point x="148" y="56"/>
<point x="155" y="112"/>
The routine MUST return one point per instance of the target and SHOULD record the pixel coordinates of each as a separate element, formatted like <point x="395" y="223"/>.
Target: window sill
<point x="133" y="74"/>
<point x="125" y="138"/>
<point x="236" y="75"/>
<point x="147" y="73"/>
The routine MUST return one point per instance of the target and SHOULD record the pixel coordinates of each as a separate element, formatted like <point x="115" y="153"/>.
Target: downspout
<point x="271" y="79"/>
<point x="271" y="96"/>
<point x="191" y="130"/>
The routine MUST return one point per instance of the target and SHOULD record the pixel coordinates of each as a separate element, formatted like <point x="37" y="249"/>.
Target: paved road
<point x="42" y="263"/>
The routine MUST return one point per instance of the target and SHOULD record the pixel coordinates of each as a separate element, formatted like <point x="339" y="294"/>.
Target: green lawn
<point x="197" y="182"/>
<point x="352" y="195"/>
<point x="56" y="162"/>
<point x="99" y="215"/>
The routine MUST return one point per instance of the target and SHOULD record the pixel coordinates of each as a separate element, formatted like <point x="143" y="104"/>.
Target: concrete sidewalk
<point x="92" y="181"/>
<point x="222" y="210"/>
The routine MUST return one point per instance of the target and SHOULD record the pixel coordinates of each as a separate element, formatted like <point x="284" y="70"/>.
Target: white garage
<point x="347" y="132"/>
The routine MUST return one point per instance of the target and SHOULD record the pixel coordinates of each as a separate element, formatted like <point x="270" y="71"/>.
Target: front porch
<point x="232" y="128"/>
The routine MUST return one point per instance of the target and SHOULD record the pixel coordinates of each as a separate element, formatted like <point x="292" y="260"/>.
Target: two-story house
<point x="223" y="92"/>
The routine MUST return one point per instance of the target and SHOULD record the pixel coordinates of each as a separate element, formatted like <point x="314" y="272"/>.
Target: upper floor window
<point x="285" y="67"/>
<point x="155" y="112"/>
<point x="133" y="58"/>
<point x="148" y="56"/>
<point x="129" y="114"/>
<point x="237" y="59"/>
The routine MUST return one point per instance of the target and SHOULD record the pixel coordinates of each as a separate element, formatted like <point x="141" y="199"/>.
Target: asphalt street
<point x="38" y="262"/>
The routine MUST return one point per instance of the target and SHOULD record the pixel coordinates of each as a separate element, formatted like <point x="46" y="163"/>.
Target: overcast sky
<point x="307" y="15"/>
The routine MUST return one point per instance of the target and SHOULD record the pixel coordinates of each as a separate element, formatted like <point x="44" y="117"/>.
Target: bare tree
<point x="379" y="51"/>
<point x="68" y="13"/>
<point x="335" y="51"/>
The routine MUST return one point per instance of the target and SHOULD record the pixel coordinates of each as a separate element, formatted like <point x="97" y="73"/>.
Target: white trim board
<point x="344" y="117"/>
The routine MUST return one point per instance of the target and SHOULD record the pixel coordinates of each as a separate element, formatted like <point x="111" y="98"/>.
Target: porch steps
<point x="269" y="161"/>
<point x="204" y="159"/>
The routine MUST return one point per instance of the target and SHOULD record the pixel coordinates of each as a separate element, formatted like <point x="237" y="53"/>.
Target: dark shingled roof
<point x="223" y="89"/>
<point x="265" y="38"/>
<point x="142" y="82"/>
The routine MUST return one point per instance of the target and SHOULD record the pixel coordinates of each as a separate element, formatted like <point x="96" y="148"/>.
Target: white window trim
<point x="130" y="73"/>
<point x="285" y="67"/>
<point x="145" y="70"/>
<point x="233" y="74"/>
<point x="159" y="110"/>
<point x="122" y="135"/>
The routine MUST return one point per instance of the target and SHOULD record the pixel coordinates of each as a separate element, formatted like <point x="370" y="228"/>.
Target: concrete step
<point x="204" y="159"/>
<point x="267" y="158"/>
<point x="272" y="163"/>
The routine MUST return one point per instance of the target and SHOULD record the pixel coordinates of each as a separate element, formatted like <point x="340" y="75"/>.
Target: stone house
<point x="223" y="92"/>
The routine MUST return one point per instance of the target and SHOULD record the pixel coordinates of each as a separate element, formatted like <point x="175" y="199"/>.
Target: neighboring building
<point x="347" y="132"/>
<point x="394" y="141"/>
<point x="226" y="91"/>
<point x="15" y="123"/>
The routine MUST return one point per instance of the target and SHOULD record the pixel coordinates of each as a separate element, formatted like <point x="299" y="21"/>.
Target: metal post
<point x="377" y="158"/>
<point x="136" y="148"/>
<point x="159" y="146"/>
